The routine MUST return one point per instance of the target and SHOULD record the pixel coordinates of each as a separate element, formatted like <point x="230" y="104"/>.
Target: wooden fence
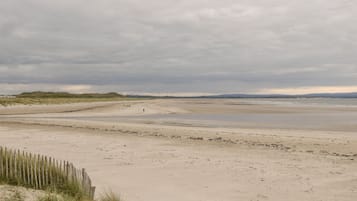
<point x="42" y="172"/>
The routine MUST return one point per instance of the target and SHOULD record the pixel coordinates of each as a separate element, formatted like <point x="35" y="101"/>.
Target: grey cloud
<point x="179" y="46"/>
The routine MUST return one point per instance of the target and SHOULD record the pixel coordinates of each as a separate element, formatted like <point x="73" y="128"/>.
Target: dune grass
<point x="51" y="101"/>
<point x="59" y="197"/>
<point x="38" y="98"/>
<point x="109" y="196"/>
<point x="41" y="94"/>
<point x="17" y="196"/>
<point x="54" y="197"/>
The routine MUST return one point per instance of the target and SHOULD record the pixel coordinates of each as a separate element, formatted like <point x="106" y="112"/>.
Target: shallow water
<point x="350" y="102"/>
<point x="328" y="119"/>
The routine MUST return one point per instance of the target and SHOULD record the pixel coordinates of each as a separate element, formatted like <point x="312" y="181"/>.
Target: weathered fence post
<point x="1" y="163"/>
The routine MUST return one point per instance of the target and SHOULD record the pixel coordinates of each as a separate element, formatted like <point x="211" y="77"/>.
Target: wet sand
<point x="179" y="160"/>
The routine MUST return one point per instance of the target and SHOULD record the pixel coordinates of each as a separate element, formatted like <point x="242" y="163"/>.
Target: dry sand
<point x="178" y="160"/>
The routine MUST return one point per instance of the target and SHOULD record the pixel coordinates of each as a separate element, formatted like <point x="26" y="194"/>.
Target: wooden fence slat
<point x="10" y="163"/>
<point x="43" y="171"/>
<point x="83" y="175"/>
<point x="50" y="171"/>
<point x="56" y="172"/>
<point x="28" y="169"/>
<point x="39" y="171"/>
<point x="30" y="172"/>
<point x="6" y="164"/>
<point x="46" y="171"/>
<point x="15" y="167"/>
<point x="67" y="170"/>
<point x="1" y="162"/>
<point x="61" y="170"/>
<point x="23" y="169"/>
<point x="18" y="162"/>
<point x="92" y="192"/>
<point x="35" y="171"/>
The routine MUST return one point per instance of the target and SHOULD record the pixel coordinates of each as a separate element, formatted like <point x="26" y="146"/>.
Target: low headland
<point x="39" y="97"/>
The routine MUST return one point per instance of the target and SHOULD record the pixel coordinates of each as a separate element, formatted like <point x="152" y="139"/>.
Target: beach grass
<point x="110" y="196"/>
<point x="59" y="197"/>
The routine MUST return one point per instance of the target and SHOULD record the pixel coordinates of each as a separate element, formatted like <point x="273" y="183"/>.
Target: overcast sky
<point x="178" y="46"/>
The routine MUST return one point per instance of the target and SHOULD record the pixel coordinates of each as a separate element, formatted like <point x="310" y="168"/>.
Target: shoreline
<point x="312" y="142"/>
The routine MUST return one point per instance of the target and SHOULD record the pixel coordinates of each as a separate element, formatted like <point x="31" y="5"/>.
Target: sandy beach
<point x="197" y="149"/>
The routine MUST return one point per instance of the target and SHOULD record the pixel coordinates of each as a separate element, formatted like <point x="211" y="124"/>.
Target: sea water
<point x="331" y="118"/>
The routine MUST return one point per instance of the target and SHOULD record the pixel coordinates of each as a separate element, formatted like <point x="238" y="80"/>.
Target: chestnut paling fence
<point x="42" y="172"/>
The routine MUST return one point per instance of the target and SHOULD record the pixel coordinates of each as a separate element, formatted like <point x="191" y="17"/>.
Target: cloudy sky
<point x="178" y="46"/>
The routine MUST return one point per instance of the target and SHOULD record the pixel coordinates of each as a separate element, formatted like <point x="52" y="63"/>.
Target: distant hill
<point x="41" y="94"/>
<point x="317" y="95"/>
<point x="334" y="95"/>
<point x="249" y="96"/>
